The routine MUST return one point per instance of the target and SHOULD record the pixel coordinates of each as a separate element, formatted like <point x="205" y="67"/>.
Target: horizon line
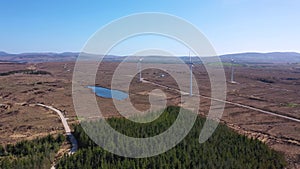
<point x="76" y="52"/>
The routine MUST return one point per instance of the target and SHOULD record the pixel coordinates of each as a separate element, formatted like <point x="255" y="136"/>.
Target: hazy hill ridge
<point x="274" y="57"/>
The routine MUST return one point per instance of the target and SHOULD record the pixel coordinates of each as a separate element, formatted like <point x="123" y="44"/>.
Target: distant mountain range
<point x="275" y="57"/>
<point x="38" y="57"/>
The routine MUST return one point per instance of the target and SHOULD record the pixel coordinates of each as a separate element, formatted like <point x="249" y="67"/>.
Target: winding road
<point x="69" y="134"/>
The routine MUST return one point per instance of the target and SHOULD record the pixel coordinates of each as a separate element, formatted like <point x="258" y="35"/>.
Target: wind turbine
<point x="232" y="71"/>
<point x="191" y="74"/>
<point x="140" y="69"/>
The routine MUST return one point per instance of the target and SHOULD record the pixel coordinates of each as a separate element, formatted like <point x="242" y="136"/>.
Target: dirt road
<point x="70" y="136"/>
<point x="228" y="102"/>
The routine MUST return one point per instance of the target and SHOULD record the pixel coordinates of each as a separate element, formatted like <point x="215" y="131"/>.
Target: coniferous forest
<point x="35" y="154"/>
<point x="225" y="149"/>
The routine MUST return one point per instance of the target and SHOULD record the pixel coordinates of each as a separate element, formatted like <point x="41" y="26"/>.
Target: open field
<point x="270" y="87"/>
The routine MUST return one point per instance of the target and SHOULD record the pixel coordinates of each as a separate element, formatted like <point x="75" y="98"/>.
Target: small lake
<point x="108" y="93"/>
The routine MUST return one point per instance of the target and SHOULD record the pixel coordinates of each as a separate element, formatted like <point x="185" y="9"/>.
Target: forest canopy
<point x="34" y="154"/>
<point x="225" y="149"/>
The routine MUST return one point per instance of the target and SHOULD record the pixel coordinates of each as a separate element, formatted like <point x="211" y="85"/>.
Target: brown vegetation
<point x="269" y="87"/>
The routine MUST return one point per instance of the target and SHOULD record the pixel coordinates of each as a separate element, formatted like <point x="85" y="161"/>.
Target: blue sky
<point x="232" y="26"/>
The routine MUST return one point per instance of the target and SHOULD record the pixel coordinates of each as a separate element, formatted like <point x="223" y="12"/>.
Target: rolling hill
<point x="274" y="57"/>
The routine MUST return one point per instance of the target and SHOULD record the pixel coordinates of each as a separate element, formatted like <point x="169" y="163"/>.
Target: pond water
<point x="108" y="93"/>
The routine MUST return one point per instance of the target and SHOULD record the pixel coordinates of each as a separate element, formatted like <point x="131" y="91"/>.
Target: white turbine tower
<point x="232" y="71"/>
<point x="140" y="69"/>
<point x="191" y="75"/>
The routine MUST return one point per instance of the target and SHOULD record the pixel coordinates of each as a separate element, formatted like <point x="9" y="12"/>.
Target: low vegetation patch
<point x="292" y="105"/>
<point x="264" y="80"/>
<point x="224" y="64"/>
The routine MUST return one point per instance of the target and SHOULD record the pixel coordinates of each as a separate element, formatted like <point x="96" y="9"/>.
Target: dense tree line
<point x="35" y="154"/>
<point x="225" y="149"/>
<point x="33" y="72"/>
